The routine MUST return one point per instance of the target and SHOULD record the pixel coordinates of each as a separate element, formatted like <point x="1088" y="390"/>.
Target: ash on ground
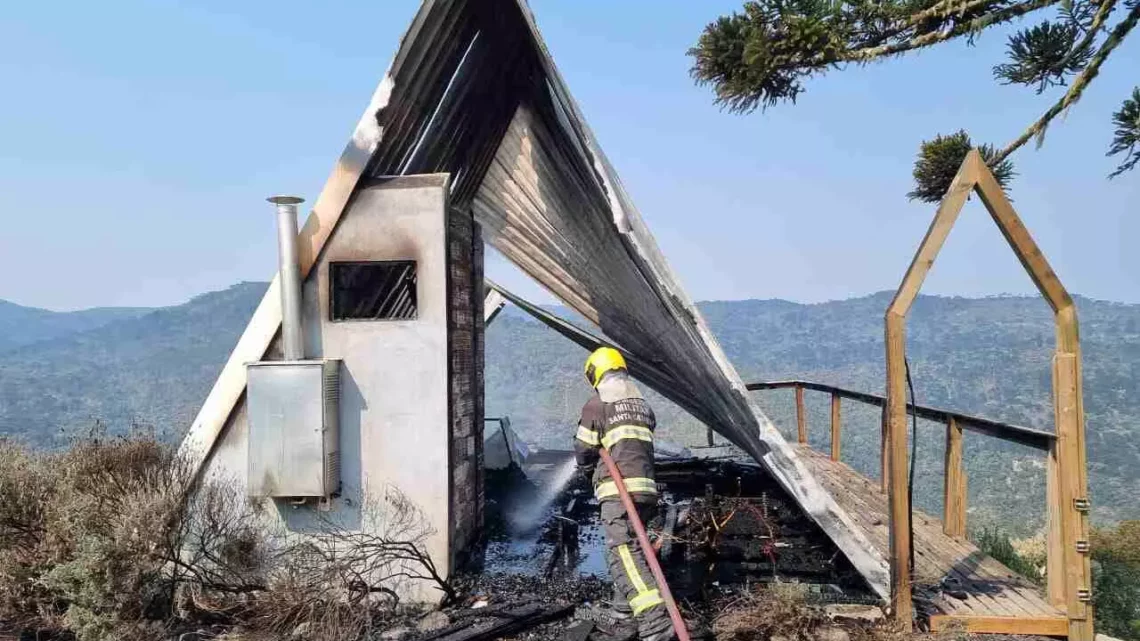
<point x="725" y="527"/>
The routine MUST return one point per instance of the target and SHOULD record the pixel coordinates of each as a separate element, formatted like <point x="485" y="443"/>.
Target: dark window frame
<point x="334" y="290"/>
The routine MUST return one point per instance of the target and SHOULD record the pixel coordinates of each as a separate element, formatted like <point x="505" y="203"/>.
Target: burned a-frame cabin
<point x="472" y="136"/>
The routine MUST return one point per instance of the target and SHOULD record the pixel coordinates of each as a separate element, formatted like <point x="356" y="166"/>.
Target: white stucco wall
<point x="394" y="376"/>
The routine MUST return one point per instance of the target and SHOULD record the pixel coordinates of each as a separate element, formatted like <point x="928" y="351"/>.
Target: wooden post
<point x="835" y="427"/>
<point x="1071" y="493"/>
<point x="1054" y="536"/>
<point x="899" y="510"/>
<point x="1055" y="512"/>
<point x="884" y="458"/>
<point x="954" y="483"/>
<point x="801" y="415"/>
<point x="709" y="436"/>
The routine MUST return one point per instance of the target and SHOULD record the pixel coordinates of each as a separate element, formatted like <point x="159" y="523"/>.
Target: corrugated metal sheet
<point x="474" y="92"/>
<point x="643" y="370"/>
<point x="552" y="204"/>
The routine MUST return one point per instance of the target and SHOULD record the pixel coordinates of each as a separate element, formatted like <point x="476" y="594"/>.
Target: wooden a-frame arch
<point x="1068" y="568"/>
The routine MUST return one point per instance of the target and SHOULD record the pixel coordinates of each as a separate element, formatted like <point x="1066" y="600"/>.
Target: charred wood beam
<point x="502" y="623"/>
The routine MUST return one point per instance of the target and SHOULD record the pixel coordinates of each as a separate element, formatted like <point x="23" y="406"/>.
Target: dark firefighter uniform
<point x="618" y="418"/>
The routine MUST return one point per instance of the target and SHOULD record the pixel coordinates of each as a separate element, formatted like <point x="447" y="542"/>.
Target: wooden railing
<point x="1036" y="439"/>
<point x="954" y="473"/>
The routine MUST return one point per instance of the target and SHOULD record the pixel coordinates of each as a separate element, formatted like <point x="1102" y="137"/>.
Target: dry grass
<point x="78" y="530"/>
<point x="779" y="613"/>
<point x="766" y="614"/>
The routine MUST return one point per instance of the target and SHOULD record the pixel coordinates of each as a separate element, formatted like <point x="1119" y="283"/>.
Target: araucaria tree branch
<point x="1082" y="81"/>
<point x="763" y="54"/>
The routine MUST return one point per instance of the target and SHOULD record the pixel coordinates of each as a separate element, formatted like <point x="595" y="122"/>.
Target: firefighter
<point x="619" y="419"/>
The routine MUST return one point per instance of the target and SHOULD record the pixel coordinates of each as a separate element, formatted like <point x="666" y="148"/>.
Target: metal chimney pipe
<point x="292" y="338"/>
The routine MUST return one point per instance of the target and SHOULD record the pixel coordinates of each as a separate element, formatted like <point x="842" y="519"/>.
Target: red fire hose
<point x="646" y="547"/>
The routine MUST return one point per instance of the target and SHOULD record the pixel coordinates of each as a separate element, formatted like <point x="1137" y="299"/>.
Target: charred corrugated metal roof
<point x="473" y="92"/>
<point x="485" y="102"/>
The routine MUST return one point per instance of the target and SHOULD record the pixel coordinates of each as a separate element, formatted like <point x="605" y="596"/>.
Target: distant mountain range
<point x="147" y="366"/>
<point x="61" y="372"/>
<point x="21" y="326"/>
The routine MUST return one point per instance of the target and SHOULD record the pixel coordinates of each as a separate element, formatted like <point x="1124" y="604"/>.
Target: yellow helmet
<point x="604" y="359"/>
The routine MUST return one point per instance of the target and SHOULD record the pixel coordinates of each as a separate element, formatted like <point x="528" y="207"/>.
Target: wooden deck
<point x="998" y="600"/>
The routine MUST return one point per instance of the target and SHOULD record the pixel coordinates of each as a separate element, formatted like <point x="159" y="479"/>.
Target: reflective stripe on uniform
<point x="607" y="489"/>
<point x="587" y="435"/>
<point x="645" y="597"/>
<point x="626" y="431"/>
<point x="631" y="569"/>
<point x="645" y="600"/>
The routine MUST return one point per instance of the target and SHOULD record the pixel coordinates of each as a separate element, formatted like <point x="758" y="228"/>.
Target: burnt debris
<point x="725" y="527"/>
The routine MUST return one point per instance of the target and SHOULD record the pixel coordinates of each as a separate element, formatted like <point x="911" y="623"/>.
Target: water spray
<point x="528" y="517"/>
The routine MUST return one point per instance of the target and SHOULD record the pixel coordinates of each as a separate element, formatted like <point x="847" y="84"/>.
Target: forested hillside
<point x="984" y="356"/>
<point x="154" y="369"/>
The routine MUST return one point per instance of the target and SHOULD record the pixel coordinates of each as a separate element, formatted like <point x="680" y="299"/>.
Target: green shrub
<point x="997" y="544"/>
<point x="1116" y="580"/>
<point x="1116" y="574"/>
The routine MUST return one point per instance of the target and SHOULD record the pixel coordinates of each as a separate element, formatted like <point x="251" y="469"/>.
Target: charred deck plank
<point x="998" y="600"/>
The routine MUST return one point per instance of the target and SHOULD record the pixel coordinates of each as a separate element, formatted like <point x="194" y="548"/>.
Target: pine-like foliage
<point x="939" y="160"/>
<point x="1044" y="55"/>
<point x="1126" y="139"/>
<point x="763" y="54"/>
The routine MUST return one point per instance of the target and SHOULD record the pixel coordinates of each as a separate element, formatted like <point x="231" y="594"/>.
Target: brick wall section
<point x="478" y="296"/>
<point x="465" y="354"/>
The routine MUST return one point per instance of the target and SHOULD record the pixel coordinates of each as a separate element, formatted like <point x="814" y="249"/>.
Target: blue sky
<point x="138" y="140"/>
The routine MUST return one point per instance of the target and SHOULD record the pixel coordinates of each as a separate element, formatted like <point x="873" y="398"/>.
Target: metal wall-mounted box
<point x="294" y="435"/>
